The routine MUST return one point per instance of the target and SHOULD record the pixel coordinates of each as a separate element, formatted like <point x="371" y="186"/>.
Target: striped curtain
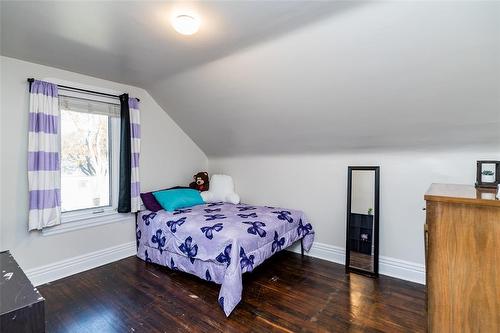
<point x="135" y="150"/>
<point x="130" y="145"/>
<point x="44" y="167"/>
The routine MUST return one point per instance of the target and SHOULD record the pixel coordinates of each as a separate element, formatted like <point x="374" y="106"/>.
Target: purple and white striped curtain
<point x="44" y="167"/>
<point x="130" y="145"/>
<point x="135" y="150"/>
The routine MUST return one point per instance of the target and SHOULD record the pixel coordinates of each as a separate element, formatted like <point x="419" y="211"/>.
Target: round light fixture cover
<point x="186" y="24"/>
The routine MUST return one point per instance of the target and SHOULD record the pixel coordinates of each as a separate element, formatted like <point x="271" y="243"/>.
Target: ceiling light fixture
<point x="186" y="24"/>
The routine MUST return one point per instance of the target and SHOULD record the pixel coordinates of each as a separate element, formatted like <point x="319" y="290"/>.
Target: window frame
<point x="89" y="217"/>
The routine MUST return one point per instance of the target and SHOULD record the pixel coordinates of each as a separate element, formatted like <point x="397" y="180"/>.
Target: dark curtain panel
<point x="125" y="162"/>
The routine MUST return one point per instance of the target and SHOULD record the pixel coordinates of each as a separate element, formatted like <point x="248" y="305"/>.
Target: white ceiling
<point x="133" y="41"/>
<point x="393" y="75"/>
<point x="288" y="77"/>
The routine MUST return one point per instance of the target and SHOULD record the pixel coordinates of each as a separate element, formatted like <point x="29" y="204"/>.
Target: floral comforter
<point x="219" y="241"/>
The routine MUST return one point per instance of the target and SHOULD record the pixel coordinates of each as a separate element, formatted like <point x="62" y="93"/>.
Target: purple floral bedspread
<point x="219" y="241"/>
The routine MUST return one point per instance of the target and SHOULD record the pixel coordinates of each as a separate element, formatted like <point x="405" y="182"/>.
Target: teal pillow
<point x="171" y="200"/>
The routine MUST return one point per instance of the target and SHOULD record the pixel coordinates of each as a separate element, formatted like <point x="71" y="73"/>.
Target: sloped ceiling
<point x="298" y="77"/>
<point x="396" y="75"/>
<point x="133" y="42"/>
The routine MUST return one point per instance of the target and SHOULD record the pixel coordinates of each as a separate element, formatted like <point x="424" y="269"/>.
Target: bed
<point x="219" y="242"/>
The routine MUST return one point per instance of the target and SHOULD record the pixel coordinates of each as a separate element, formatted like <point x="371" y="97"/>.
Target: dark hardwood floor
<point x="288" y="293"/>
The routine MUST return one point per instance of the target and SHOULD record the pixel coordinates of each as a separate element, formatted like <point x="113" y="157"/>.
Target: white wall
<point x="317" y="185"/>
<point x="168" y="157"/>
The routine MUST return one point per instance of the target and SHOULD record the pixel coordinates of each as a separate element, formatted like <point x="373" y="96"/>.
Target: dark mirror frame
<point x="376" y="215"/>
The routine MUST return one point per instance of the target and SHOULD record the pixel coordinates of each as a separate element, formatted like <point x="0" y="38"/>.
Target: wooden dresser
<point x="462" y="243"/>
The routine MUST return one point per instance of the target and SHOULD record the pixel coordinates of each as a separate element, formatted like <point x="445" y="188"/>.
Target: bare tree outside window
<point x="85" y="160"/>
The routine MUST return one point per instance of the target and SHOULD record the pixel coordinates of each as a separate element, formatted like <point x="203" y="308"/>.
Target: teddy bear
<point x="201" y="181"/>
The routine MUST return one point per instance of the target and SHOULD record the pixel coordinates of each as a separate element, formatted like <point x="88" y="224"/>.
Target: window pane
<point x="85" y="160"/>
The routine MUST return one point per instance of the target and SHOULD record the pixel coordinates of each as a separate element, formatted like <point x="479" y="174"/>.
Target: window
<point x="89" y="155"/>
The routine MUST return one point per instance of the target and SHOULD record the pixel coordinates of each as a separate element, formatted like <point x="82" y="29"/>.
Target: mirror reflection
<point x="362" y="212"/>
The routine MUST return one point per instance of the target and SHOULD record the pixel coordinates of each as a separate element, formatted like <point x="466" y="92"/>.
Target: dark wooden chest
<point x="22" y="308"/>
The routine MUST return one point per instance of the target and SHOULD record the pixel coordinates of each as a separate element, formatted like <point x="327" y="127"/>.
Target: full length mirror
<point x="362" y="219"/>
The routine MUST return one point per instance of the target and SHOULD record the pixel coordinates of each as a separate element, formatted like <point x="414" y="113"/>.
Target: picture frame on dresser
<point x="487" y="174"/>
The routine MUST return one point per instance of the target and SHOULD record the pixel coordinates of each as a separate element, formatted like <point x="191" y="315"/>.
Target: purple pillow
<point x="150" y="202"/>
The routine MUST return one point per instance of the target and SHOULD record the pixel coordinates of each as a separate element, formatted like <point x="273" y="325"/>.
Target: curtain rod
<point x="30" y="80"/>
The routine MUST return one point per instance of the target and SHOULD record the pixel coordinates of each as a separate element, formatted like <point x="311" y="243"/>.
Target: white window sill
<point x="82" y="222"/>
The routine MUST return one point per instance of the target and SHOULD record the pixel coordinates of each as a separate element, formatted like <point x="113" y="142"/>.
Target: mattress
<point x="219" y="242"/>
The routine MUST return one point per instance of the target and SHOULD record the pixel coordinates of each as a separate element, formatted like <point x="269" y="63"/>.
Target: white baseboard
<point x="402" y="269"/>
<point x="393" y="267"/>
<point x="397" y="268"/>
<point x="67" y="267"/>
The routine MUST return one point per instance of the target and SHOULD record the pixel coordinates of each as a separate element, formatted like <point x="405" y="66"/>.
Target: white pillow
<point x="221" y="189"/>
